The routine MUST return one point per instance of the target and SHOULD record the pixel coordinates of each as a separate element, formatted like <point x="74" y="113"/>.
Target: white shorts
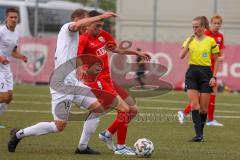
<point x="6" y="81"/>
<point x="61" y="103"/>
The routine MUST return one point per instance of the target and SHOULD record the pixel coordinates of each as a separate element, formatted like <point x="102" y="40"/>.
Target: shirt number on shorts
<point x="2" y="85"/>
<point x="67" y="105"/>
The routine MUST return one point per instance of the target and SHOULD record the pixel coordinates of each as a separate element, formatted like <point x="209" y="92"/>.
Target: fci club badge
<point x="101" y="39"/>
<point x="37" y="55"/>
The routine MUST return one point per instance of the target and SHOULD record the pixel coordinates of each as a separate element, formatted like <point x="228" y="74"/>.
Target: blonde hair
<point x="205" y="22"/>
<point x="200" y="19"/>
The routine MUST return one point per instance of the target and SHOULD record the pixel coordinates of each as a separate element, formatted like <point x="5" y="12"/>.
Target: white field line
<point x="141" y="114"/>
<point x="141" y="107"/>
<point x="138" y="99"/>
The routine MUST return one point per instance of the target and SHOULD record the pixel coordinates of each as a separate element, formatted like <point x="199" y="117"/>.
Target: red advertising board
<point x="41" y="62"/>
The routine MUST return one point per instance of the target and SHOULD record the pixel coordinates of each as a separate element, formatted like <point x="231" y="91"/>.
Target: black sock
<point x="197" y="122"/>
<point x="203" y="117"/>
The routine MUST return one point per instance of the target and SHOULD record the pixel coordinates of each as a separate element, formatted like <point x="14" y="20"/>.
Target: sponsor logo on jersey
<point x="101" y="51"/>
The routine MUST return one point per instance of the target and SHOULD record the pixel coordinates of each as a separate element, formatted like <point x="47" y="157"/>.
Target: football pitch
<point x="157" y="121"/>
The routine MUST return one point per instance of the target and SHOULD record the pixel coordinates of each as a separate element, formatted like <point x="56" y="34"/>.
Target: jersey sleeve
<point x="110" y="41"/>
<point x="185" y="43"/>
<point x="215" y="48"/>
<point x="65" y="29"/>
<point x="81" y="45"/>
<point x="222" y="46"/>
<point x="109" y="37"/>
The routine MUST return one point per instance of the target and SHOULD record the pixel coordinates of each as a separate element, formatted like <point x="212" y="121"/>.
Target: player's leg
<point x="6" y="86"/>
<point x="181" y="114"/>
<point x="61" y="105"/>
<point x="205" y="91"/>
<point x="193" y="96"/>
<point x="91" y="103"/>
<point x="211" y="109"/>
<point x="120" y="124"/>
<point x="204" y="100"/>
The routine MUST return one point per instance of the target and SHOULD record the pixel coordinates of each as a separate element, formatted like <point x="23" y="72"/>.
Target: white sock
<point x="108" y="134"/>
<point x="3" y="107"/>
<point x="120" y="146"/>
<point x="89" y="128"/>
<point x="37" y="129"/>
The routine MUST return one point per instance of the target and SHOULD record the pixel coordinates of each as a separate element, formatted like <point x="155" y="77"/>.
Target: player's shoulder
<point x="207" y="32"/>
<point x="3" y="28"/>
<point x="220" y="34"/>
<point x="66" y="26"/>
<point x="208" y="38"/>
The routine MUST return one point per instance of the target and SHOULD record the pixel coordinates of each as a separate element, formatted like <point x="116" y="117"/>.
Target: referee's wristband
<point x="214" y="77"/>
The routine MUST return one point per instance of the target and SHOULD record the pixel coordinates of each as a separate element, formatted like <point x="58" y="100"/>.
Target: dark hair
<point x="93" y="13"/>
<point x="12" y="9"/>
<point x="78" y="13"/>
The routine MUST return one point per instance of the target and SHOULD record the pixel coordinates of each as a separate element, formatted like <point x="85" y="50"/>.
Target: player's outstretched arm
<point x="144" y="55"/>
<point x="86" y="21"/>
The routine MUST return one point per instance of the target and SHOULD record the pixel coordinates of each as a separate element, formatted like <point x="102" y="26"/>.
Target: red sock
<point x="121" y="117"/>
<point x="113" y="127"/>
<point x="187" y="109"/>
<point x="122" y="133"/>
<point x="211" y="107"/>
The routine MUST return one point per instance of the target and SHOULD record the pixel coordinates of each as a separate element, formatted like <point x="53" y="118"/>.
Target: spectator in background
<point x="140" y="72"/>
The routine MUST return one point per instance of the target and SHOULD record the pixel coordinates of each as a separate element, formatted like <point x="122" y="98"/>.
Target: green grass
<point x="161" y="126"/>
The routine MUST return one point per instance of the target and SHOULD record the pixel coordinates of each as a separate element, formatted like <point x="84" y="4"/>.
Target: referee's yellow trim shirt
<point x="200" y="51"/>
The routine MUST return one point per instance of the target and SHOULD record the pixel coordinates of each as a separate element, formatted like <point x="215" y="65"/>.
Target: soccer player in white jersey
<point x="8" y="48"/>
<point x="67" y="43"/>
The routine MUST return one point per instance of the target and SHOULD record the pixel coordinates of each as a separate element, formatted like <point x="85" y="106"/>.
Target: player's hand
<point x="213" y="82"/>
<point x="24" y="59"/>
<point x="109" y="14"/>
<point x="144" y="55"/>
<point x="4" y="61"/>
<point x="110" y="45"/>
<point x="220" y="59"/>
<point x="82" y="72"/>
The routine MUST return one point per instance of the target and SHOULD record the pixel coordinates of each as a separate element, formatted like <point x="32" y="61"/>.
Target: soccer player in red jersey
<point x="212" y="31"/>
<point x="98" y="42"/>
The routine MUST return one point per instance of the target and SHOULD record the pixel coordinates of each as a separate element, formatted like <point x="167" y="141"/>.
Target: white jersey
<point x="8" y="42"/>
<point x="67" y="45"/>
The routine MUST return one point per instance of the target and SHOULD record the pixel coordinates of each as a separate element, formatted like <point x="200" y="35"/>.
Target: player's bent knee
<point x="60" y="125"/>
<point x="134" y="109"/>
<point x="4" y="97"/>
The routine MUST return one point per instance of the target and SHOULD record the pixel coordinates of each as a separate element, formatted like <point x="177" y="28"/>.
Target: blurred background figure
<point x="140" y="72"/>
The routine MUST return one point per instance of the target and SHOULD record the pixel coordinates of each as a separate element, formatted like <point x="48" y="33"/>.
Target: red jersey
<point x="96" y="46"/>
<point x="219" y="39"/>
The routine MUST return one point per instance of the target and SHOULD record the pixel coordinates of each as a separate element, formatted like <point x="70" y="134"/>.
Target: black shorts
<point x="198" y="77"/>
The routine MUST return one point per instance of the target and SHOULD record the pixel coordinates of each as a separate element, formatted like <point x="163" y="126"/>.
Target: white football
<point x="144" y="147"/>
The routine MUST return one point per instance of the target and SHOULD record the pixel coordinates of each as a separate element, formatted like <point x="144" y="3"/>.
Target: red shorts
<point x="106" y="91"/>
